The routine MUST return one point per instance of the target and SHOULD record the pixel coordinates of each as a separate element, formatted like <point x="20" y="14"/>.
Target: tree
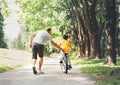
<point x="86" y="23"/>
<point x="118" y="27"/>
<point x="2" y="40"/>
<point x="3" y="14"/>
<point x="111" y="24"/>
<point x="38" y="15"/>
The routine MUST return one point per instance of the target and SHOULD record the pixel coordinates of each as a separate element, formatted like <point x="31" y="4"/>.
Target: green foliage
<point x="100" y="13"/>
<point x="3" y="13"/>
<point x="4" y="8"/>
<point x="41" y="14"/>
<point x="2" y="40"/>
<point x="3" y="43"/>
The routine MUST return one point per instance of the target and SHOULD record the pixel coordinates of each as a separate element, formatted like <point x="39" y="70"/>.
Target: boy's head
<point x="65" y="36"/>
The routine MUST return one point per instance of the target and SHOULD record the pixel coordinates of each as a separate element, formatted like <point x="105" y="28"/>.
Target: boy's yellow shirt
<point x="65" y="44"/>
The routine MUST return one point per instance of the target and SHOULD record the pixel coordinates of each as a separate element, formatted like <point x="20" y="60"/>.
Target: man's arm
<point x="56" y="45"/>
<point x="31" y="38"/>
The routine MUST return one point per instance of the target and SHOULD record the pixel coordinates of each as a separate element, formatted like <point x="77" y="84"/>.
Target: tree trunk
<point x="118" y="28"/>
<point x="91" y="25"/>
<point x="80" y="27"/>
<point x="111" y="31"/>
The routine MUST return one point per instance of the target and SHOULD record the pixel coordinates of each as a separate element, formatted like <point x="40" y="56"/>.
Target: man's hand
<point x="56" y="45"/>
<point x="31" y="38"/>
<point x="62" y="50"/>
<point x="30" y="45"/>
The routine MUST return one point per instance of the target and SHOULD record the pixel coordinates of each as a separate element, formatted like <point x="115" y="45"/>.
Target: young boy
<point x="66" y="45"/>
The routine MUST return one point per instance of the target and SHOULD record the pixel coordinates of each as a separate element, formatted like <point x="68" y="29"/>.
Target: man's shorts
<point x="37" y="49"/>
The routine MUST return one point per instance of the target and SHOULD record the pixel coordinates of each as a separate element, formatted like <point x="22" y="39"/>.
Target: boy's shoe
<point x="34" y="70"/>
<point x="69" y="67"/>
<point x="61" y="61"/>
<point x="40" y="72"/>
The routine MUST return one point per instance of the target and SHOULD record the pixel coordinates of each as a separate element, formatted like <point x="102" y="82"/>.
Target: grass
<point x="100" y="73"/>
<point x="96" y="69"/>
<point x="4" y="67"/>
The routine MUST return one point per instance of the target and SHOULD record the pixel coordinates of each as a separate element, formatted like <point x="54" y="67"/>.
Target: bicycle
<point x="64" y="63"/>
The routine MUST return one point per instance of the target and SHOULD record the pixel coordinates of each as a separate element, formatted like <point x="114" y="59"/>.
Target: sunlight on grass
<point x="86" y="61"/>
<point x="98" y="71"/>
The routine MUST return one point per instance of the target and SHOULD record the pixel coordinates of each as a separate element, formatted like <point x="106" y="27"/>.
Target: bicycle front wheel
<point x="66" y="65"/>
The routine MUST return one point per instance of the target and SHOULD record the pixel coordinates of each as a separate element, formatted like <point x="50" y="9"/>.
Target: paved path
<point x="52" y="76"/>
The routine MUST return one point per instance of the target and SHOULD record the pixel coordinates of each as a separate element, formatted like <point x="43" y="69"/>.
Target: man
<point x="37" y="41"/>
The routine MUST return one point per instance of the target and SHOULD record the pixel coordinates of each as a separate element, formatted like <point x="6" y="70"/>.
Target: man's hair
<point x="65" y="36"/>
<point x="48" y="29"/>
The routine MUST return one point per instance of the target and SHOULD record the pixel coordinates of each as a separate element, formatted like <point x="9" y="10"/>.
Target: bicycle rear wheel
<point x="64" y="65"/>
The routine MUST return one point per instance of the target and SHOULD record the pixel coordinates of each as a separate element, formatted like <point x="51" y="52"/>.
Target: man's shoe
<point x="34" y="70"/>
<point x="40" y="72"/>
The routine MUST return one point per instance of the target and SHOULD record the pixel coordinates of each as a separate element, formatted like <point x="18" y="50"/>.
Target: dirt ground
<point x="14" y="58"/>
